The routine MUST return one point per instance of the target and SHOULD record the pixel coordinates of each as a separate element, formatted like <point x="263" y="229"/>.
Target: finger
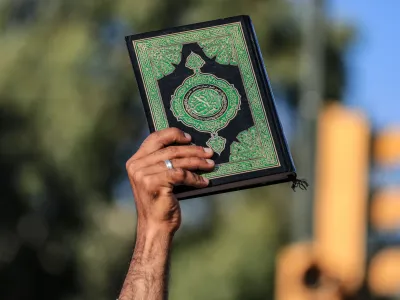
<point x="187" y="163"/>
<point x="180" y="176"/>
<point x="160" y="139"/>
<point x="173" y="152"/>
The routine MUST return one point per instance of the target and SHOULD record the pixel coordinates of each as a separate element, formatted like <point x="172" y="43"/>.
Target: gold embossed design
<point x="194" y="62"/>
<point x="247" y="147"/>
<point x="221" y="48"/>
<point x="164" y="59"/>
<point x="217" y="143"/>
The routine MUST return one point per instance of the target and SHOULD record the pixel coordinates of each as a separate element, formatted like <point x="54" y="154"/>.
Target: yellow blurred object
<point x="384" y="272"/>
<point x="341" y="194"/>
<point x="298" y="276"/>
<point x="387" y="147"/>
<point x="292" y="263"/>
<point x="385" y="210"/>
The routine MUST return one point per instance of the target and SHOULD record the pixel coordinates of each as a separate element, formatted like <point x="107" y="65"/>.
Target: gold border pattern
<point x="234" y="31"/>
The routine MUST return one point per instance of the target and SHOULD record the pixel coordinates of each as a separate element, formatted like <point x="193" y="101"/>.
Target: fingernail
<point x="208" y="150"/>
<point x="206" y="180"/>
<point x="210" y="161"/>
<point x="187" y="135"/>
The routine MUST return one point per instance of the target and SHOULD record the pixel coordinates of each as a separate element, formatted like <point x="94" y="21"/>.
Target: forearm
<point x="147" y="278"/>
<point x="162" y="162"/>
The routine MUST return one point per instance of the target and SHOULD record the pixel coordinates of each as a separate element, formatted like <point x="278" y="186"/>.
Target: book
<point x="209" y="80"/>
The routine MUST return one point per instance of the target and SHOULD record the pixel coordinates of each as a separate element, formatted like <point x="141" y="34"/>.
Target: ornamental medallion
<point x="205" y="102"/>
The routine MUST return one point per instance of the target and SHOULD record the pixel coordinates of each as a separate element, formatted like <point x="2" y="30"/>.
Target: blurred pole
<point x="341" y="194"/>
<point x="311" y="93"/>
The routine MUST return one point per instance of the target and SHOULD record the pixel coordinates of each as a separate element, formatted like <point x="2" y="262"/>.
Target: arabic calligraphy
<point x="205" y="102"/>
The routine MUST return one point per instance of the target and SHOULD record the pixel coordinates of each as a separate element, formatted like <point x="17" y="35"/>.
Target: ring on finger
<point x="169" y="165"/>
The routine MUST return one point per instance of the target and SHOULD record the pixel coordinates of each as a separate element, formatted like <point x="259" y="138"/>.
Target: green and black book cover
<point x="209" y="80"/>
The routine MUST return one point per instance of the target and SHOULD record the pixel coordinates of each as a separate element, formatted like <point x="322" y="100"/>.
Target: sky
<point x="374" y="59"/>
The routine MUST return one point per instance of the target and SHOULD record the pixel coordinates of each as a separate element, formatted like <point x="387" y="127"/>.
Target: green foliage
<point x="237" y="260"/>
<point x="70" y="113"/>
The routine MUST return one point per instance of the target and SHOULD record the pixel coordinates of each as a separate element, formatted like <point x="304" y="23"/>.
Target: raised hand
<point x="165" y="159"/>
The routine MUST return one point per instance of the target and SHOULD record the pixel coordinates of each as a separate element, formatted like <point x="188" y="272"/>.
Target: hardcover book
<point x="209" y="80"/>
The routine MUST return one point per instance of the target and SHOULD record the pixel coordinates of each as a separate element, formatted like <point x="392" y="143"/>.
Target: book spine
<point x="255" y="47"/>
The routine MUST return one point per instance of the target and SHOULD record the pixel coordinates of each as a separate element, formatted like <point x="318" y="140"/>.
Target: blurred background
<point x="71" y="115"/>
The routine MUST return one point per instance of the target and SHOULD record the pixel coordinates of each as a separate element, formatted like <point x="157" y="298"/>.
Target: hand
<point x="152" y="182"/>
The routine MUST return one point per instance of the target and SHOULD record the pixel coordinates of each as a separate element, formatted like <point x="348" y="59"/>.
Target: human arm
<point x="158" y="210"/>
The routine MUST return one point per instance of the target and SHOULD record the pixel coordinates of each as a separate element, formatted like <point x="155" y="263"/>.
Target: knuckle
<point x="147" y="183"/>
<point x="196" y="177"/>
<point x="161" y="164"/>
<point x="152" y="136"/>
<point x="130" y="167"/>
<point x="175" y="131"/>
<point x="194" y="161"/>
<point x="173" y="151"/>
<point x="137" y="175"/>
<point x="161" y="152"/>
<point x="156" y="135"/>
<point x="127" y="165"/>
<point x="199" y="178"/>
<point x="199" y="149"/>
<point x="179" y="174"/>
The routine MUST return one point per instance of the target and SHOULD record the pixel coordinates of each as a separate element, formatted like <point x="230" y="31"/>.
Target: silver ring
<point x="168" y="163"/>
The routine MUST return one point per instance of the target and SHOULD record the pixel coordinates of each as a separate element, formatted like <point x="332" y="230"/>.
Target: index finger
<point x="160" y="139"/>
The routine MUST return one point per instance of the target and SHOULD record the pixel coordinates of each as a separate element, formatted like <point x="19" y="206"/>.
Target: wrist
<point x="156" y="229"/>
<point x="152" y="248"/>
<point x="152" y="237"/>
<point x="153" y="233"/>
